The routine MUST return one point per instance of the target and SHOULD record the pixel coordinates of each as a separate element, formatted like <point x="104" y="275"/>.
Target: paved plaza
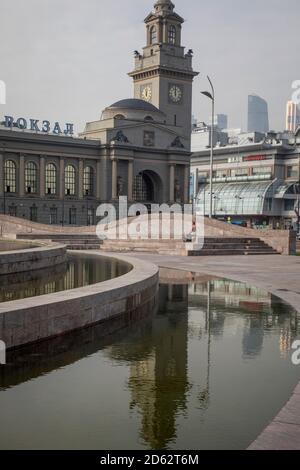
<point x="279" y="275"/>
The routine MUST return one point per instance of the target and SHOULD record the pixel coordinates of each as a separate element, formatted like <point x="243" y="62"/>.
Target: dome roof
<point x="135" y="104"/>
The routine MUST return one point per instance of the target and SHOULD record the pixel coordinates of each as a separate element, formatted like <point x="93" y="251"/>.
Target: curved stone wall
<point x="45" y="256"/>
<point x="13" y="245"/>
<point x="133" y="296"/>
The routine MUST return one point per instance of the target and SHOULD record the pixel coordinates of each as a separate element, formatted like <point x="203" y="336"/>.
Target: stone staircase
<point x="72" y="241"/>
<point x="233" y="246"/>
<point x="162" y="247"/>
<point x="213" y="246"/>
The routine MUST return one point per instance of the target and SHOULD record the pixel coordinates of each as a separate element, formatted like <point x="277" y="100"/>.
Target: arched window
<point x="172" y="35"/>
<point x="153" y="35"/>
<point x="88" y="181"/>
<point x="31" y="178"/>
<point x="70" y="180"/>
<point x="10" y="176"/>
<point x="143" y="189"/>
<point x="51" y="179"/>
<point x="119" y="116"/>
<point x="148" y="118"/>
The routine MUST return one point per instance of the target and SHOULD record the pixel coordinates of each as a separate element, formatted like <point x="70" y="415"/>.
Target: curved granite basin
<point x="78" y="271"/>
<point x="210" y="370"/>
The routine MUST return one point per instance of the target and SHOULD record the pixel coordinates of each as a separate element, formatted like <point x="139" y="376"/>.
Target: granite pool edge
<point x="35" y="319"/>
<point x="44" y="255"/>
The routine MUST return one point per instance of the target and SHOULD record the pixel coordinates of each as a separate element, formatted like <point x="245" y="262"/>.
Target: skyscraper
<point x="220" y="121"/>
<point x="258" y="114"/>
<point x="292" y="116"/>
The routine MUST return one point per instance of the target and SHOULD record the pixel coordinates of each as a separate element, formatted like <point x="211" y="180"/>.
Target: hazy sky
<point x="66" y="60"/>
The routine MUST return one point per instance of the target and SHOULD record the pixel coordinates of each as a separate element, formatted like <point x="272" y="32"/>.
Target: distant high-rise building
<point x="292" y="116"/>
<point x="258" y="114"/>
<point x="220" y="121"/>
<point x="194" y="122"/>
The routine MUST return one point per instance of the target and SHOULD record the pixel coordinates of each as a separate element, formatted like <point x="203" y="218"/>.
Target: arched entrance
<point x="147" y="187"/>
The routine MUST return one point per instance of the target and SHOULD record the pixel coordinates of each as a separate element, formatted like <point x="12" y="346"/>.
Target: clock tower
<point x="163" y="73"/>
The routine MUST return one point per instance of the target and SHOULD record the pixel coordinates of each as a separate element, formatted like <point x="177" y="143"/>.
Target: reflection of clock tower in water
<point x="163" y="74"/>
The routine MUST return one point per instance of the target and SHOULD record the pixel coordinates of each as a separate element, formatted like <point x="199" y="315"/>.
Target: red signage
<point x="254" y="158"/>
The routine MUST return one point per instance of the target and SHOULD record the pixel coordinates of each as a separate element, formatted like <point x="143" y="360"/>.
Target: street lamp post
<point x="211" y="96"/>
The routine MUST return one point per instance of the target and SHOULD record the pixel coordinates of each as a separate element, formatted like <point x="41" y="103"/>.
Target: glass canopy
<point x="236" y="198"/>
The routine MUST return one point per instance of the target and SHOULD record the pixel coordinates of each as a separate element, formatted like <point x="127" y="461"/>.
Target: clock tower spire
<point x="163" y="73"/>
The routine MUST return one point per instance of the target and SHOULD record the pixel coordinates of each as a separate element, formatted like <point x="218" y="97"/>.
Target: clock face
<point x="147" y="93"/>
<point x="175" y="93"/>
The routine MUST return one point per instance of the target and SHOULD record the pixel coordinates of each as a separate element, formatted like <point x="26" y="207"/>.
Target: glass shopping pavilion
<point x="237" y="199"/>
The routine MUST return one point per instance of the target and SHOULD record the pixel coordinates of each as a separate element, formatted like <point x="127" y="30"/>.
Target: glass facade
<point x="31" y="178"/>
<point x="235" y="198"/>
<point x="289" y="204"/>
<point x="10" y="176"/>
<point x="240" y="172"/>
<point x="262" y="170"/>
<point x="70" y="180"/>
<point x="142" y="188"/>
<point x="51" y="179"/>
<point x="88" y="181"/>
<point x="292" y="172"/>
<point x="220" y="174"/>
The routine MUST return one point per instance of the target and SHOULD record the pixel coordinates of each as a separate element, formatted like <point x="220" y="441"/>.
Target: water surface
<point x="208" y="371"/>
<point x="78" y="271"/>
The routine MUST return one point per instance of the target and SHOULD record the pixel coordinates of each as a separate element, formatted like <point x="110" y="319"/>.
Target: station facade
<point x="139" y="148"/>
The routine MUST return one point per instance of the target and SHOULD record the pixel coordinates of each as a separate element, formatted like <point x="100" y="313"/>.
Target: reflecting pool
<point x="209" y="370"/>
<point x="78" y="271"/>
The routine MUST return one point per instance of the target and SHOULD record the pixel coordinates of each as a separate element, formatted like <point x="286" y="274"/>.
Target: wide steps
<point x="72" y="241"/>
<point x="74" y="247"/>
<point x="80" y="241"/>
<point x="57" y="236"/>
<point x="212" y="246"/>
<point x="238" y="252"/>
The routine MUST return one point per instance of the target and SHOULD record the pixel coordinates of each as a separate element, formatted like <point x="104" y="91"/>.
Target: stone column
<point x="22" y="176"/>
<point x="2" y="183"/>
<point x="186" y="184"/>
<point x="114" y="190"/>
<point x="130" y="180"/>
<point x="62" y="178"/>
<point x="98" y="180"/>
<point x="165" y="31"/>
<point x="80" y="179"/>
<point x="172" y="183"/>
<point x="42" y="176"/>
<point x="105" y="163"/>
